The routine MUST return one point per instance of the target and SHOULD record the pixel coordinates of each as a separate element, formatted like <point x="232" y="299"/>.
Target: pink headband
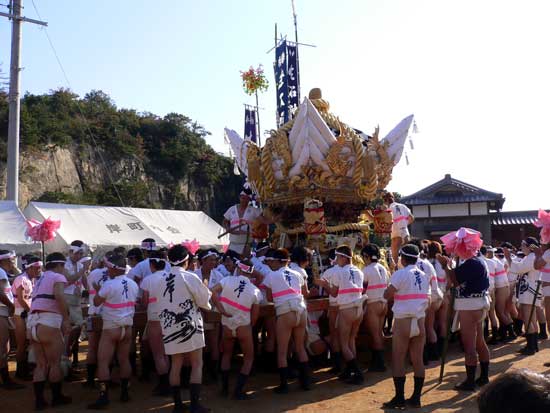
<point x="109" y="264"/>
<point x="34" y="264"/>
<point x="7" y="256"/>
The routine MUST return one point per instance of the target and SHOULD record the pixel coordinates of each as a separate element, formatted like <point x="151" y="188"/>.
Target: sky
<point x="474" y="73"/>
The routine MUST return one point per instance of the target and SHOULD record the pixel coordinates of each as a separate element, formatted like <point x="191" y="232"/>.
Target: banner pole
<point x="258" y="121"/>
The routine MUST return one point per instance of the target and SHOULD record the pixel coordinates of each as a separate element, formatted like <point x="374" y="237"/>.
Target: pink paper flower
<point x="464" y="243"/>
<point x="543" y="222"/>
<point x="192" y="246"/>
<point x="225" y="247"/>
<point x="43" y="232"/>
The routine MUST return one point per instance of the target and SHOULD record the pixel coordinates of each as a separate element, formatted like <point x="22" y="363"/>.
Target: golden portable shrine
<point x="319" y="179"/>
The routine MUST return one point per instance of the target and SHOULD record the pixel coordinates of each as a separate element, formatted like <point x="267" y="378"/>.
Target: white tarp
<point x="12" y="229"/>
<point x="103" y="227"/>
<point x="174" y="226"/>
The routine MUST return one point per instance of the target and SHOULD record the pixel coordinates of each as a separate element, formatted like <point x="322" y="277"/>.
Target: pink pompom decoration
<point x="192" y="246"/>
<point x="225" y="247"/>
<point x="543" y="222"/>
<point x="464" y="243"/>
<point x="43" y="232"/>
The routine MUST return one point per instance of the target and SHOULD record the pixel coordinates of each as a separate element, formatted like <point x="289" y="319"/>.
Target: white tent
<point x="103" y="227"/>
<point x="174" y="226"/>
<point x="12" y="229"/>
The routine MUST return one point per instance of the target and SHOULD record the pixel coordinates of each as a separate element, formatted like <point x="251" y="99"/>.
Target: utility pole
<point x="12" y="190"/>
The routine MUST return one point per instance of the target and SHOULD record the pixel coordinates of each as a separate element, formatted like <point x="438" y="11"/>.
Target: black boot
<point x="414" y="401"/>
<point x="494" y="337"/>
<point x="225" y="383"/>
<point x="185" y="376"/>
<point x="511" y="332"/>
<point x="74" y="351"/>
<point x="8" y="383"/>
<point x="212" y="369"/>
<point x="239" y="394"/>
<point x="469" y="384"/>
<point x="346" y="373"/>
<point x="398" y="401"/>
<point x="283" y="378"/>
<point x="304" y="376"/>
<point x="440" y="344"/>
<point x="163" y="386"/>
<point x="124" y="386"/>
<point x="176" y="394"/>
<point x="133" y="363"/>
<point x="195" y="393"/>
<point x="425" y="358"/>
<point x="486" y="328"/>
<point x="502" y="332"/>
<point x="377" y="361"/>
<point x="336" y="359"/>
<point x="433" y="354"/>
<point x="22" y="371"/>
<point x="356" y="373"/>
<point x="90" y="376"/>
<point x="543" y="335"/>
<point x="484" y="374"/>
<point x="58" y="399"/>
<point x="531" y="347"/>
<point x="518" y="327"/>
<point x="39" y="401"/>
<point x="103" y="400"/>
<point x="269" y="361"/>
<point x="147" y="365"/>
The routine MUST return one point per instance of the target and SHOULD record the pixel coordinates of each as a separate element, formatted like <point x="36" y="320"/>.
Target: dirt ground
<point x="328" y="394"/>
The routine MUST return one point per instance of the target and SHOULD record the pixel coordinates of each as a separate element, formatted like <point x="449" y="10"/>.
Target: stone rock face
<point x="76" y="170"/>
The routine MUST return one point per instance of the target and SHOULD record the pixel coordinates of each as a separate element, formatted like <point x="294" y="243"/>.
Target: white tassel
<point x="415" y="127"/>
<point x="236" y="168"/>
<point x="406" y="159"/>
<point x="411" y="143"/>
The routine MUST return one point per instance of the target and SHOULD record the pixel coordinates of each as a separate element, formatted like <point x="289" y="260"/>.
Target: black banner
<point x="281" y="83"/>
<point x="250" y="130"/>
<point x="293" y="81"/>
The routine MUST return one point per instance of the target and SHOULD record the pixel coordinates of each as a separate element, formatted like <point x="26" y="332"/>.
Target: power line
<point x="86" y="123"/>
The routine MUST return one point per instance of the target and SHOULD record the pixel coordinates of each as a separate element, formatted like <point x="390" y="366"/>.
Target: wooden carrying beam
<point x="267" y="310"/>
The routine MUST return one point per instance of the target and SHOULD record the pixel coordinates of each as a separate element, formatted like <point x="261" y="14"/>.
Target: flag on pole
<point x="250" y="130"/>
<point x="293" y="78"/>
<point x="281" y="83"/>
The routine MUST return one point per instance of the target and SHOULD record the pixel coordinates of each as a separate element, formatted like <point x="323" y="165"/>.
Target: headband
<point x="55" y="262"/>
<point x="268" y="259"/>
<point x="157" y="259"/>
<point x="249" y="269"/>
<point x="149" y="246"/>
<point x="180" y="261"/>
<point x="408" y="255"/>
<point x="34" y="264"/>
<point x="109" y="264"/>
<point x="343" y="255"/>
<point x="263" y="248"/>
<point x="75" y="249"/>
<point x="7" y="255"/>
<point x="244" y="193"/>
<point x="209" y="254"/>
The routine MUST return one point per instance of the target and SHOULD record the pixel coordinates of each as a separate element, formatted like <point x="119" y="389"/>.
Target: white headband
<point x="149" y="246"/>
<point x="343" y="255"/>
<point x="157" y="259"/>
<point x="180" y="261"/>
<point x="34" y="264"/>
<point x="55" y="262"/>
<point x="7" y="255"/>
<point x="75" y="249"/>
<point x="209" y="254"/>
<point x="268" y="258"/>
<point x="408" y="255"/>
<point x="109" y="264"/>
<point x="263" y="248"/>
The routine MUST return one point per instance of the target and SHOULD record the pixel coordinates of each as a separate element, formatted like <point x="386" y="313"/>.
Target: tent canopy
<point x="103" y="227"/>
<point x="13" y="228"/>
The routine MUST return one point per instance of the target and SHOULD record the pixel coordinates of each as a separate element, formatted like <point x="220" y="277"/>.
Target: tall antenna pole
<point x="12" y="189"/>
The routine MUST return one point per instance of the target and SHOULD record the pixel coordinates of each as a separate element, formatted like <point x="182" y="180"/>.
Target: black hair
<point x="420" y="244"/>
<point x="177" y="253"/>
<point x="410" y="249"/>
<point x="29" y="259"/>
<point x="299" y="255"/>
<point x="156" y="260"/>
<point x="281" y="254"/>
<point x="507" y="245"/>
<point x="2" y="252"/>
<point x="433" y="249"/>
<point x="135" y="253"/>
<point x="372" y="251"/>
<point x="77" y="243"/>
<point x="262" y="245"/>
<point x="117" y="259"/>
<point x="516" y="391"/>
<point x="483" y="249"/>
<point x="148" y="240"/>
<point x="344" y="249"/>
<point x="203" y="253"/>
<point x="233" y="255"/>
<point x="54" y="256"/>
<point x="120" y="250"/>
<point x="531" y="241"/>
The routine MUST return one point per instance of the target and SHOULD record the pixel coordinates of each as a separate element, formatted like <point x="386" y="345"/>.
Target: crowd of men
<point x="410" y="298"/>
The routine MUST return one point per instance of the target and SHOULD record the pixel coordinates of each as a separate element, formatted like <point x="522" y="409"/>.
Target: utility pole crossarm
<point x="23" y="19"/>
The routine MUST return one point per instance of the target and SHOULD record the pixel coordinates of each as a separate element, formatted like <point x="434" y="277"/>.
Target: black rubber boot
<point x="356" y="373"/>
<point x="103" y="400"/>
<point x="239" y="394"/>
<point x="486" y="328"/>
<point x="176" y="394"/>
<point x="185" y="376"/>
<point x="90" y="376"/>
<point x="163" y="387"/>
<point x="346" y="373"/>
<point x="304" y="376"/>
<point x="147" y="365"/>
<point x="269" y="361"/>
<point x="212" y="369"/>
<point x="39" y="401"/>
<point x="398" y="401"/>
<point x="377" y="361"/>
<point x="124" y="386"/>
<point x="518" y="327"/>
<point x="494" y="337"/>
<point x="283" y="378"/>
<point x="8" y="384"/>
<point x="543" y="335"/>
<point x="440" y="344"/>
<point x="511" y="332"/>
<point x="225" y="383"/>
<point x="414" y="400"/>
<point x="531" y="347"/>
<point x="484" y="374"/>
<point x="133" y="363"/>
<point x="336" y="359"/>
<point x="469" y="384"/>
<point x="58" y="399"/>
<point x="195" y="394"/>
<point x="433" y="354"/>
<point x="74" y="351"/>
<point x="22" y="371"/>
